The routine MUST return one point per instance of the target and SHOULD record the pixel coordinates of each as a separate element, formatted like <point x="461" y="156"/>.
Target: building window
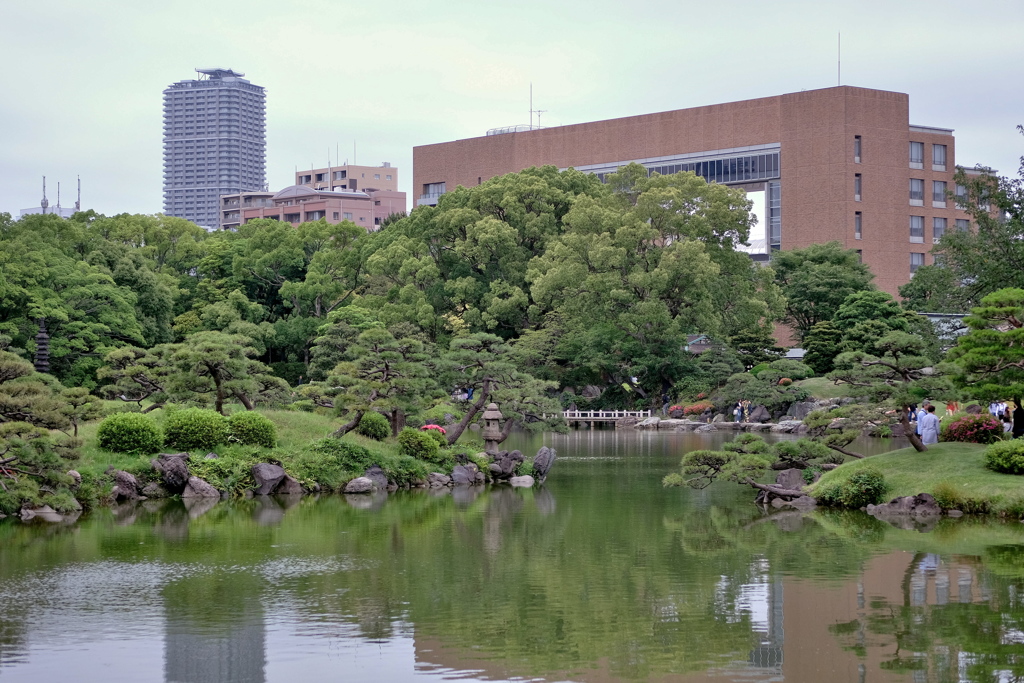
<point x="917" y="229"/>
<point x="303" y="179"/>
<point x="362" y="219"/>
<point x="856" y="149"/>
<point x="962" y="225"/>
<point x="314" y="215"/>
<point x="860" y="256"/>
<point x="858" y="225"/>
<point x="916" y="155"/>
<point x="387" y="177"/>
<point x="335" y="215"/>
<point x="340" y="175"/>
<point x="938" y="157"/>
<point x="917" y="192"/>
<point x="938" y="229"/>
<point x="347" y="216"/>
<point x="320" y="177"/>
<point x="856" y="187"/>
<point x="939" y="194"/>
<point x="916" y="261"/>
<point x="376" y="176"/>
<point x="433" y="189"/>
<point x="774" y="215"/>
<point x="291" y="218"/>
<point x="376" y="221"/>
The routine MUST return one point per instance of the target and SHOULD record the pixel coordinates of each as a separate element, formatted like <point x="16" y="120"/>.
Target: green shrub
<point x="791" y="368"/>
<point x="129" y="433"/>
<point x="374" y="425"/>
<point x="438" y="436"/>
<point x="195" y="428"/>
<point x="302" y="406"/>
<point x="117" y="408"/>
<point x="1006" y="457"/>
<point x="439" y="415"/>
<point x="252" y="429"/>
<point x="231" y="471"/>
<point x="866" y="487"/>
<point x="333" y="462"/>
<point x="417" y="444"/>
<point x="758" y="369"/>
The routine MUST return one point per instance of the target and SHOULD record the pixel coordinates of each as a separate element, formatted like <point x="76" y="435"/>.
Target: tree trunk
<point x="911" y="434"/>
<point x="456" y="430"/>
<point x="151" y="408"/>
<point x="776" y="490"/>
<point x="348" y="426"/>
<point x="244" y="400"/>
<point x="842" y="450"/>
<point x="506" y="429"/>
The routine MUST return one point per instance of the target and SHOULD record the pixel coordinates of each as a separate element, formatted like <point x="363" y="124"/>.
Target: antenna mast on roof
<point x="839" y="58"/>
<point x="44" y="204"/>
<point x="58" y="198"/>
<point x="78" y="202"/>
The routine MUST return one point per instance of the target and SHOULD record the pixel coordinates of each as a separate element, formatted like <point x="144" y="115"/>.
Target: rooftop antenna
<point x="58" y="197"/>
<point x="354" y="162"/>
<point x="531" y="106"/>
<point x="330" y="179"/>
<point x="44" y="204"/>
<point x="538" y="112"/>
<point x="839" y="58"/>
<point x="78" y="202"/>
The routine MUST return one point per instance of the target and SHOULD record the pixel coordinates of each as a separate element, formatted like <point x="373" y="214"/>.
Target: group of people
<point x="741" y="411"/>
<point x="1011" y="414"/>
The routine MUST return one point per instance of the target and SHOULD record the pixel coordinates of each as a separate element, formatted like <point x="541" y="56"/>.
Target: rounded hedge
<point x="419" y="445"/>
<point x="863" y="488"/>
<point x="1006" y="457"/>
<point x="195" y="428"/>
<point x="252" y="429"/>
<point x="130" y="433"/>
<point x="374" y="425"/>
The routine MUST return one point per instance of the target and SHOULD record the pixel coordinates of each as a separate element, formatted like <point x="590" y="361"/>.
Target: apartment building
<point x="301" y="203"/>
<point x="350" y="177"/>
<point x="840" y="163"/>
<point x="214" y="143"/>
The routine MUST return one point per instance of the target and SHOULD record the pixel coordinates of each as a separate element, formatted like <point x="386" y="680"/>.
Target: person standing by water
<point x="928" y="426"/>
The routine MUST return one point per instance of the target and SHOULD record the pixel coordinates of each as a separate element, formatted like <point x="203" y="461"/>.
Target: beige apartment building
<point x="840" y="163"/>
<point x="350" y="177"/>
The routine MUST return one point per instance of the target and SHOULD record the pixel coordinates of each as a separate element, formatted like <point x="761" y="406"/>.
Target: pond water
<point x="601" y="575"/>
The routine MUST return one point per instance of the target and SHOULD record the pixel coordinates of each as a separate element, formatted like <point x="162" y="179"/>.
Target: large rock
<point x="759" y="414"/>
<point x="706" y="428"/>
<point x="543" y="461"/>
<point x="437" y="480"/>
<point x="197" y="488"/>
<point x="718" y="418"/>
<point x="76" y="478"/>
<point x="591" y="391"/>
<point x="524" y="481"/>
<point x="126" y="487"/>
<point x="676" y="413"/>
<point x="377" y="476"/>
<point x="267" y="477"/>
<point x="466" y="475"/>
<point x="973" y="409"/>
<point x="790" y="479"/>
<point x="802" y="409"/>
<point x="651" y="423"/>
<point x="504" y="463"/>
<point x="173" y="469"/>
<point x="289" y="486"/>
<point x="787" y="427"/>
<point x="921" y="505"/>
<point x="155" y="490"/>
<point x="359" y="485"/>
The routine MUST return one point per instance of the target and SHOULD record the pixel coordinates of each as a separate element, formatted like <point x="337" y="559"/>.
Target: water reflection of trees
<point x="495" y="578"/>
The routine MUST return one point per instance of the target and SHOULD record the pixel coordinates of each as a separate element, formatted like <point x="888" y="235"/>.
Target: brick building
<point x="839" y="163"/>
<point x="301" y="203"/>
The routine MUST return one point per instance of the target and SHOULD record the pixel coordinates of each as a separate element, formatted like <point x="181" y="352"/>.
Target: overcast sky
<point x="81" y="82"/>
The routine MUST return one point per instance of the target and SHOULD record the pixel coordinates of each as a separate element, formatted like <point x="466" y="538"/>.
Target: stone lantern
<point x="492" y="427"/>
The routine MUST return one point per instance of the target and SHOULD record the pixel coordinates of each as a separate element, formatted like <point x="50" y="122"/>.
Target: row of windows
<point x="917" y="223"/>
<point x="938" y="156"/>
<point x="733" y="170"/>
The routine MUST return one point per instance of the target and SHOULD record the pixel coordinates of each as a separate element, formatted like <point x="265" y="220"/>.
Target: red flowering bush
<point x="702" y="395"/>
<point x="697" y="408"/>
<point x="972" y="429"/>
<point x="437" y="427"/>
<point x="785" y="382"/>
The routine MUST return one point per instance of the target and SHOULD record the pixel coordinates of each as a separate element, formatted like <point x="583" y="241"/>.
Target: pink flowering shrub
<point x="697" y="408"/>
<point x="437" y="427"/>
<point x="972" y="429"/>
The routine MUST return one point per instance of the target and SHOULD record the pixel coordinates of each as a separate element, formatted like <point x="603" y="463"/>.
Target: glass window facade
<point x="775" y="215"/>
<point x="938" y="157"/>
<point x="917" y="190"/>
<point x="916" y="154"/>
<point x="858" y="225"/>
<point x="736" y="169"/>
<point x="857" y="187"/>
<point x="939" y="192"/>
<point x="856" y="149"/>
<point x="963" y="225"/>
<point x="938" y="229"/>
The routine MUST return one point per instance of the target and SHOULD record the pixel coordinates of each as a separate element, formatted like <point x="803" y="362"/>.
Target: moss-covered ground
<point x="946" y="470"/>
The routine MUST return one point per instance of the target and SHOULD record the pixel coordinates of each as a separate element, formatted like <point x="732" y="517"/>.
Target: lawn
<point x="822" y="387"/>
<point x="960" y="465"/>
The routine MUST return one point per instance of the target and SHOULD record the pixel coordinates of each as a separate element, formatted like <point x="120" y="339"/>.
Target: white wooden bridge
<point x="593" y="416"/>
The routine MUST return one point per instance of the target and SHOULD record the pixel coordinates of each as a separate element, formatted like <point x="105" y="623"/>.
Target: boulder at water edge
<point x="523" y="482"/>
<point x="359" y="485"/>
<point x="197" y="488"/>
<point x="126" y="487"/>
<point x="543" y="461"/>
<point x="267" y="477"/>
<point x="173" y="469"/>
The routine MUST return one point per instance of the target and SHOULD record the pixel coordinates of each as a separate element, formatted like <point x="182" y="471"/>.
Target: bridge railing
<point x="591" y="415"/>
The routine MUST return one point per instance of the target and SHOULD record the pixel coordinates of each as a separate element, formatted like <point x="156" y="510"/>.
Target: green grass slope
<point x="957" y="465"/>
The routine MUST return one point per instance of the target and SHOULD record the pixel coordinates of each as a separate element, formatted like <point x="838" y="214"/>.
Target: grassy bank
<point x="945" y="470"/>
<point x="302" y="449"/>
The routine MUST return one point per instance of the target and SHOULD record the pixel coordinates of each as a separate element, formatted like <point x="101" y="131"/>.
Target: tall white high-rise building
<point x="214" y="143"/>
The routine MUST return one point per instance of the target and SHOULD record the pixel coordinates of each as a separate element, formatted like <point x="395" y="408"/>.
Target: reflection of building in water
<point x="213" y="637"/>
<point x="760" y="601"/>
